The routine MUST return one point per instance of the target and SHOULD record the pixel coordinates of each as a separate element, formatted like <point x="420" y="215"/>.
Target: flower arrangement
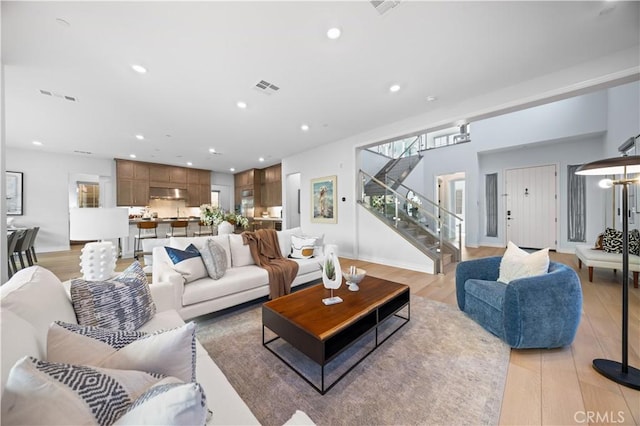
<point x="214" y="216"/>
<point x="207" y="214"/>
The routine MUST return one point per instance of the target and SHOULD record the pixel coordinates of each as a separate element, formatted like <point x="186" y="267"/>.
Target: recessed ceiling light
<point x="212" y="150"/>
<point x="37" y="143"/>
<point x="305" y="127"/>
<point x="139" y="68"/>
<point x="242" y="105"/>
<point x="189" y="163"/>
<point x="140" y="137"/>
<point x="132" y="155"/>
<point x="334" y="33"/>
<point x="394" y="88"/>
<point x="233" y="169"/>
<point x="432" y="98"/>
<point x="261" y="159"/>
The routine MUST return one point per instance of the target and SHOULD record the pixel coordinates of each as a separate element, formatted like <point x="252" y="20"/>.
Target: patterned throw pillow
<point x="612" y="241"/>
<point x="169" y="404"/>
<point x="168" y="352"/>
<point x="120" y="303"/>
<point x="634" y="242"/>
<point x="214" y="258"/>
<point x="187" y="262"/>
<point x="39" y="392"/>
<point x="301" y="247"/>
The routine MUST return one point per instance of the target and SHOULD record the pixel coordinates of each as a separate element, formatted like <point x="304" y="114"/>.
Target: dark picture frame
<point x="14" y="193"/>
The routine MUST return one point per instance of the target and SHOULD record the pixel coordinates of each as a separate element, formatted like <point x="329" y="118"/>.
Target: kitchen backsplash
<point x="167" y="208"/>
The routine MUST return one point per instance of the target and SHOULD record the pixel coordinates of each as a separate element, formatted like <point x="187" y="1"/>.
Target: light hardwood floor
<point x="550" y="387"/>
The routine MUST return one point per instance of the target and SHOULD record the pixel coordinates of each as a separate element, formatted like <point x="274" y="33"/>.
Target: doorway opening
<point x="451" y="196"/>
<point x="293" y="200"/>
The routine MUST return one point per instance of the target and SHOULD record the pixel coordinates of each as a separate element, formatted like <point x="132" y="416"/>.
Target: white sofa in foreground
<point x="35" y="297"/>
<point x="243" y="280"/>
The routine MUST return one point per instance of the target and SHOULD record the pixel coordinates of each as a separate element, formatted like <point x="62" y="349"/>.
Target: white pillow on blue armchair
<point x="517" y="263"/>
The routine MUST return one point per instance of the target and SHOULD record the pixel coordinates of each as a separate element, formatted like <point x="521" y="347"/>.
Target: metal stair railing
<point x="387" y="205"/>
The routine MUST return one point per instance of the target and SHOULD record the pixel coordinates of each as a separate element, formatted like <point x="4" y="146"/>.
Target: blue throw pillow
<point x="187" y="262"/>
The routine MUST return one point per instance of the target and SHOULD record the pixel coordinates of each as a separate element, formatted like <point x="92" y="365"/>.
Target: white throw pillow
<point x="47" y="393"/>
<point x="187" y="262"/>
<point x="168" y="404"/>
<point x="517" y="263"/>
<point x="302" y="247"/>
<point x="240" y="253"/>
<point x="167" y="352"/>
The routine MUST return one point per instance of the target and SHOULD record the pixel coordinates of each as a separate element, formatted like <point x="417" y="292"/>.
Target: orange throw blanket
<point x="266" y="253"/>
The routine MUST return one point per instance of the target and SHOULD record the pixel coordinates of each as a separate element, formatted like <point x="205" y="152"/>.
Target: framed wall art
<point x="324" y="201"/>
<point x="14" y="193"/>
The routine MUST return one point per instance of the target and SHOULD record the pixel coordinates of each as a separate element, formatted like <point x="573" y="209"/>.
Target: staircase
<point x="393" y="173"/>
<point x="434" y="231"/>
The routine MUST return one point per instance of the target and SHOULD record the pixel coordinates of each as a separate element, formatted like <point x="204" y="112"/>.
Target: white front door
<point x="531" y="206"/>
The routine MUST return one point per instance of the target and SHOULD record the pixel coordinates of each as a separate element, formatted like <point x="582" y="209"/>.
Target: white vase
<point x="225" y="228"/>
<point x="331" y="255"/>
<point x="98" y="261"/>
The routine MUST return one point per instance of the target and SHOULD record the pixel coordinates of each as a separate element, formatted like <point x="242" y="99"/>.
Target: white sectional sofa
<point x="35" y="297"/>
<point x="243" y="280"/>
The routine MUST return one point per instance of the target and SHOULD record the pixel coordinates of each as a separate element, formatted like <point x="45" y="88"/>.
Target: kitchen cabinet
<point x="132" y="183"/>
<point x="198" y="187"/>
<point x="271" y="188"/>
<point x="134" y="178"/>
<point x="249" y="180"/>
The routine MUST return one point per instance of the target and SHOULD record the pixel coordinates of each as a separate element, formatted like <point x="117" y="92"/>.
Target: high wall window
<point x="88" y="194"/>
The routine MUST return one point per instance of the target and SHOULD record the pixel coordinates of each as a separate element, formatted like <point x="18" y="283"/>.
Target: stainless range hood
<point x="167" y="193"/>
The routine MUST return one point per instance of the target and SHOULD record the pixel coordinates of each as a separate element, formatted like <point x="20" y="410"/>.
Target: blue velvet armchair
<point x="535" y="312"/>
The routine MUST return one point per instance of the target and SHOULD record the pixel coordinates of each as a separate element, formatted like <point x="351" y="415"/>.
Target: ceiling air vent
<point x="82" y="152"/>
<point x="265" y="87"/>
<point x="58" y="95"/>
<point x="383" y="6"/>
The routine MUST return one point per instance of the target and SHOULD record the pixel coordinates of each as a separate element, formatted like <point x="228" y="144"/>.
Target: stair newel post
<point x="395" y="205"/>
<point x="459" y="256"/>
<point x="441" y="271"/>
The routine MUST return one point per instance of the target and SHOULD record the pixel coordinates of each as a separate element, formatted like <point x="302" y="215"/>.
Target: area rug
<point x="440" y="368"/>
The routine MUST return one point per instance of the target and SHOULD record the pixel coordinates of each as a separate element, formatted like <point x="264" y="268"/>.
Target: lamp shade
<point x="98" y="223"/>
<point x="611" y="166"/>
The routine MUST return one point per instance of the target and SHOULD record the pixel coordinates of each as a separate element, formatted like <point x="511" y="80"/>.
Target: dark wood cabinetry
<point x="247" y="182"/>
<point x="134" y="178"/>
<point x="271" y="188"/>
<point x="132" y="183"/>
<point x="198" y="187"/>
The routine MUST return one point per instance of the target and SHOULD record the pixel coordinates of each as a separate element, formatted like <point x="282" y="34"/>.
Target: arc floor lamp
<point x="619" y="372"/>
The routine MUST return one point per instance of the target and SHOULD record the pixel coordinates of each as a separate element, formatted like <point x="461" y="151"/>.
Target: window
<point x="88" y="194"/>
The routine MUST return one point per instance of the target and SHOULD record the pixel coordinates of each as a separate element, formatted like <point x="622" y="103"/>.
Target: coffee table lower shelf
<point x="323" y="352"/>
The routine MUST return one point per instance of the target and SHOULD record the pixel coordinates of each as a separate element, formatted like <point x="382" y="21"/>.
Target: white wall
<point x="579" y="121"/>
<point x="46" y="191"/>
<point x="224" y="182"/>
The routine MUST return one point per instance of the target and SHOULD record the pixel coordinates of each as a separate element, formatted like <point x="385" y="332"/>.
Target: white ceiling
<point x="204" y="57"/>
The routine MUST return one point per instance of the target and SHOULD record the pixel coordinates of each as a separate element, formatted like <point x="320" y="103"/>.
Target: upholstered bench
<point x="596" y="258"/>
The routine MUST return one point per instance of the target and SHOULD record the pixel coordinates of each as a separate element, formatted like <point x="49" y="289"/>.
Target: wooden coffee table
<point x="323" y="332"/>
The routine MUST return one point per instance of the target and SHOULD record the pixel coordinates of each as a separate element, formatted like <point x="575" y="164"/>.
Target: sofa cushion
<point x="214" y="259"/>
<point x="120" y="303"/>
<point x="187" y="262"/>
<point x="240" y="252"/>
<point x="169" y="352"/>
<point x="235" y="280"/>
<point x="483" y="302"/>
<point x="200" y="242"/>
<point x="302" y="247"/>
<point x="18" y="338"/>
<point x="36" y="295"/>
<point x="307" y="266"/>
<point x="168" y="404"/>
<point x="40" y="392"/>
<point x="517" y="263"/>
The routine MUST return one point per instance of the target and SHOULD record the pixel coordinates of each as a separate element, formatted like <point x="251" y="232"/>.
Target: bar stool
<point x="144" y="231"/>
<point x="178" y="228"/>
<point x="203" y="229"/>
